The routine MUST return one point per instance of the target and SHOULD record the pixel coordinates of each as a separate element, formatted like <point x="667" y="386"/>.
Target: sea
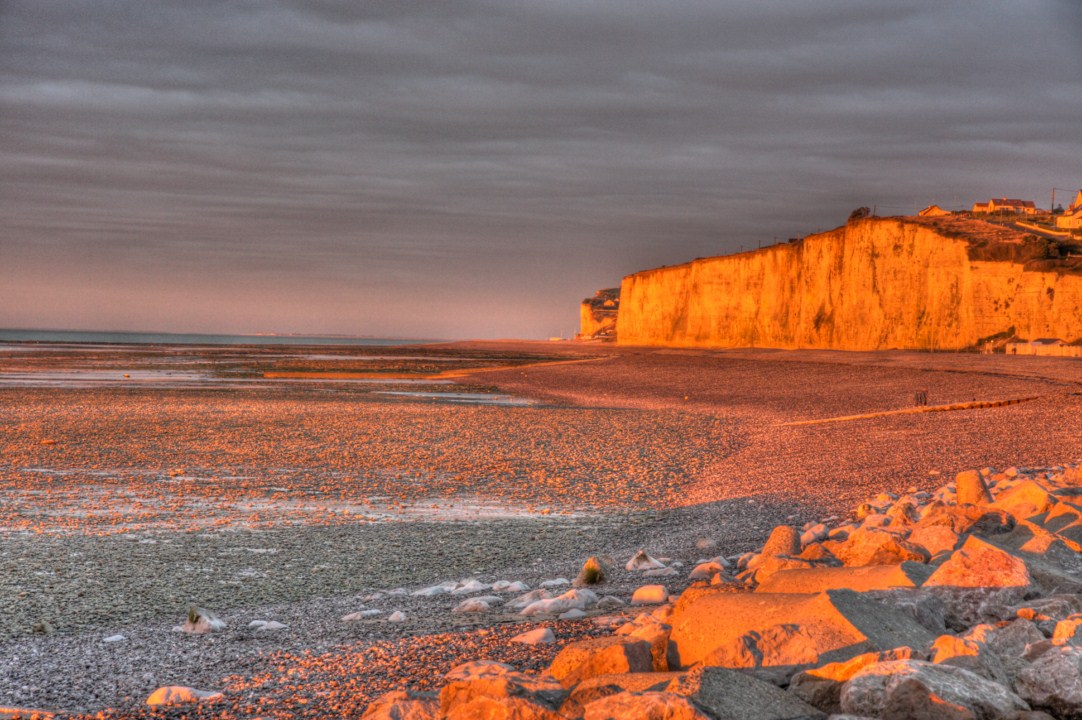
<point x="149" y="338"/>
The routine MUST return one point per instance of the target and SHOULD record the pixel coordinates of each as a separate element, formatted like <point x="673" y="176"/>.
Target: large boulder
<point x="601" y="686"/>
<point x="1008" y="642"/>
<point x="607" y="655"/>
<point x="972" y="654"/>
<point x="492" y="681"/>
<point x="964" y="519"/>
<point x="980" y="564"/>
<point x="1024" y="500"/>
<point x="868" y="577"/>
<point x="1054" y="682"/>
<point x="839" y="623"/>
<point x="821" y="687"/>
<point x="922" y="606"/>
<point x="780" y="649"/>
<point x="917" y="690"/>
<point x="656" y="633"/>
<point x="644" y="706"/>
<point x="874" y="546"/>
<point x="731" y="695"/>
<point x="935" y="539"/>
<point x="783" y="540"/>
<point x="970" y="488"/>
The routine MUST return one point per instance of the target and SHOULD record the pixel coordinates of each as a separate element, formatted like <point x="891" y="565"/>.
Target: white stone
<point x="705" y="570"/>
<point x="433" y="591"/>
<point x="661" y="572"/>
<point x="610" y="602"/>
<point x="572" y="614"/>
<point x="470" y="587"/>
<point x="114" y="639"/>
<point x="551" y="606"/>
<point x="649" y="595"/>
<point x="180" y="695"/>
<point x="530" y="597"/>
<point x="397" y="616"/>
<point x="555" y="583"/>
<point x="579" y="598"/>
<point x="537" y="636"/>
<point x="643" y="561"/>
<point x="200" y="621"/>
<point x="361" y="615"/>
<point x="473" y="605"/>
<point x="491" y="599"/>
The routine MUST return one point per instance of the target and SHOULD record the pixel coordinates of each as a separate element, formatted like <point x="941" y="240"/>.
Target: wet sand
<point x="126" y="500"/>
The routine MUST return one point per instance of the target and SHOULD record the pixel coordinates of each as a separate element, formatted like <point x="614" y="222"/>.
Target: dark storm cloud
<point x="472" y="167"/>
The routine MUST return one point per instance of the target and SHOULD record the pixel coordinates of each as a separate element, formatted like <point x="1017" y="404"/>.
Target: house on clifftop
<point x="1072" y="219"/>
<point x="1006" y="205"/>
<point x="933" y="211"/>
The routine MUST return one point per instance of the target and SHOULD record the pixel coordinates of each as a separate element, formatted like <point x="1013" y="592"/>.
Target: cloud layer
<point x="473" y="168"/>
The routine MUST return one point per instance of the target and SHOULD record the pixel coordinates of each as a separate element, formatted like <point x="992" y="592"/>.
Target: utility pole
<point x="1052" y="207"/>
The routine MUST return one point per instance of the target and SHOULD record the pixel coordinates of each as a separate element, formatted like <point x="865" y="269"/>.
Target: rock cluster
<point x="963" y="603"/>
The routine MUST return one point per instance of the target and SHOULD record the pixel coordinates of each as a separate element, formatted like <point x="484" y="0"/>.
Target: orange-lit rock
<point x="871" y="546"/>
<point x="657" y="634"/>
<point x="868" y="577"/>
<point x="935" y="539"/>
<point x="979" y="564"/>
<point x="783" y="540"/>
<point x="585" y="659"/>
<point x="1068" y="631"/>
<point x="1025" y="499"/>
<point x="180" y="695"/>
<point x="971" y="489"/>
<point x="471" y="682"/>
<point x="873" y="284"/>
<point x="644" y="706"/>
<point x="784" y="648"/>
<point x="841" y="623"/>
<point x="601" y="686"/>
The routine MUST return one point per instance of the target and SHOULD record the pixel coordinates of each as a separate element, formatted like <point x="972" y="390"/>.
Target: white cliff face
<point x="871" y="285"/>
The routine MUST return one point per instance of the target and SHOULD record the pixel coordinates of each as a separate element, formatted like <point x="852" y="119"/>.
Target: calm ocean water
<point x="144" y="338"/>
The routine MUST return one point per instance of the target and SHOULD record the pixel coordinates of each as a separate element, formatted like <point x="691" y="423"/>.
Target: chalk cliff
<point x="876" y="283"/>
<point x="597" y="315"/>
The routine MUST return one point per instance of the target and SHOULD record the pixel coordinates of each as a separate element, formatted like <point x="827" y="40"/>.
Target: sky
<point x="474" y="169"/>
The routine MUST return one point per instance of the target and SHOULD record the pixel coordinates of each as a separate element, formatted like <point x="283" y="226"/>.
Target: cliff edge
<point x="930" y="283"/>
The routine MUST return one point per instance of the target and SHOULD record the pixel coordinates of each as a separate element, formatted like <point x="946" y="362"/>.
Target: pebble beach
<point x="289" y="486"/>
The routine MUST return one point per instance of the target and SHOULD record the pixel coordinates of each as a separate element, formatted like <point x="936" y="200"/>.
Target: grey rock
<point x="1054" y="682"/>
<point x="918" y="690"/>
<point x="732" y="695"/>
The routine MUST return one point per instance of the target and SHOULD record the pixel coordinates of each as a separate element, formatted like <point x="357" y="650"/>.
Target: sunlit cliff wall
<point x="873" y="284"/>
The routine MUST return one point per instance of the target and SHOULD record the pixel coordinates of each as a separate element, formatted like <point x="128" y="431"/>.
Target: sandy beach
<point x="285" y="484"/>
